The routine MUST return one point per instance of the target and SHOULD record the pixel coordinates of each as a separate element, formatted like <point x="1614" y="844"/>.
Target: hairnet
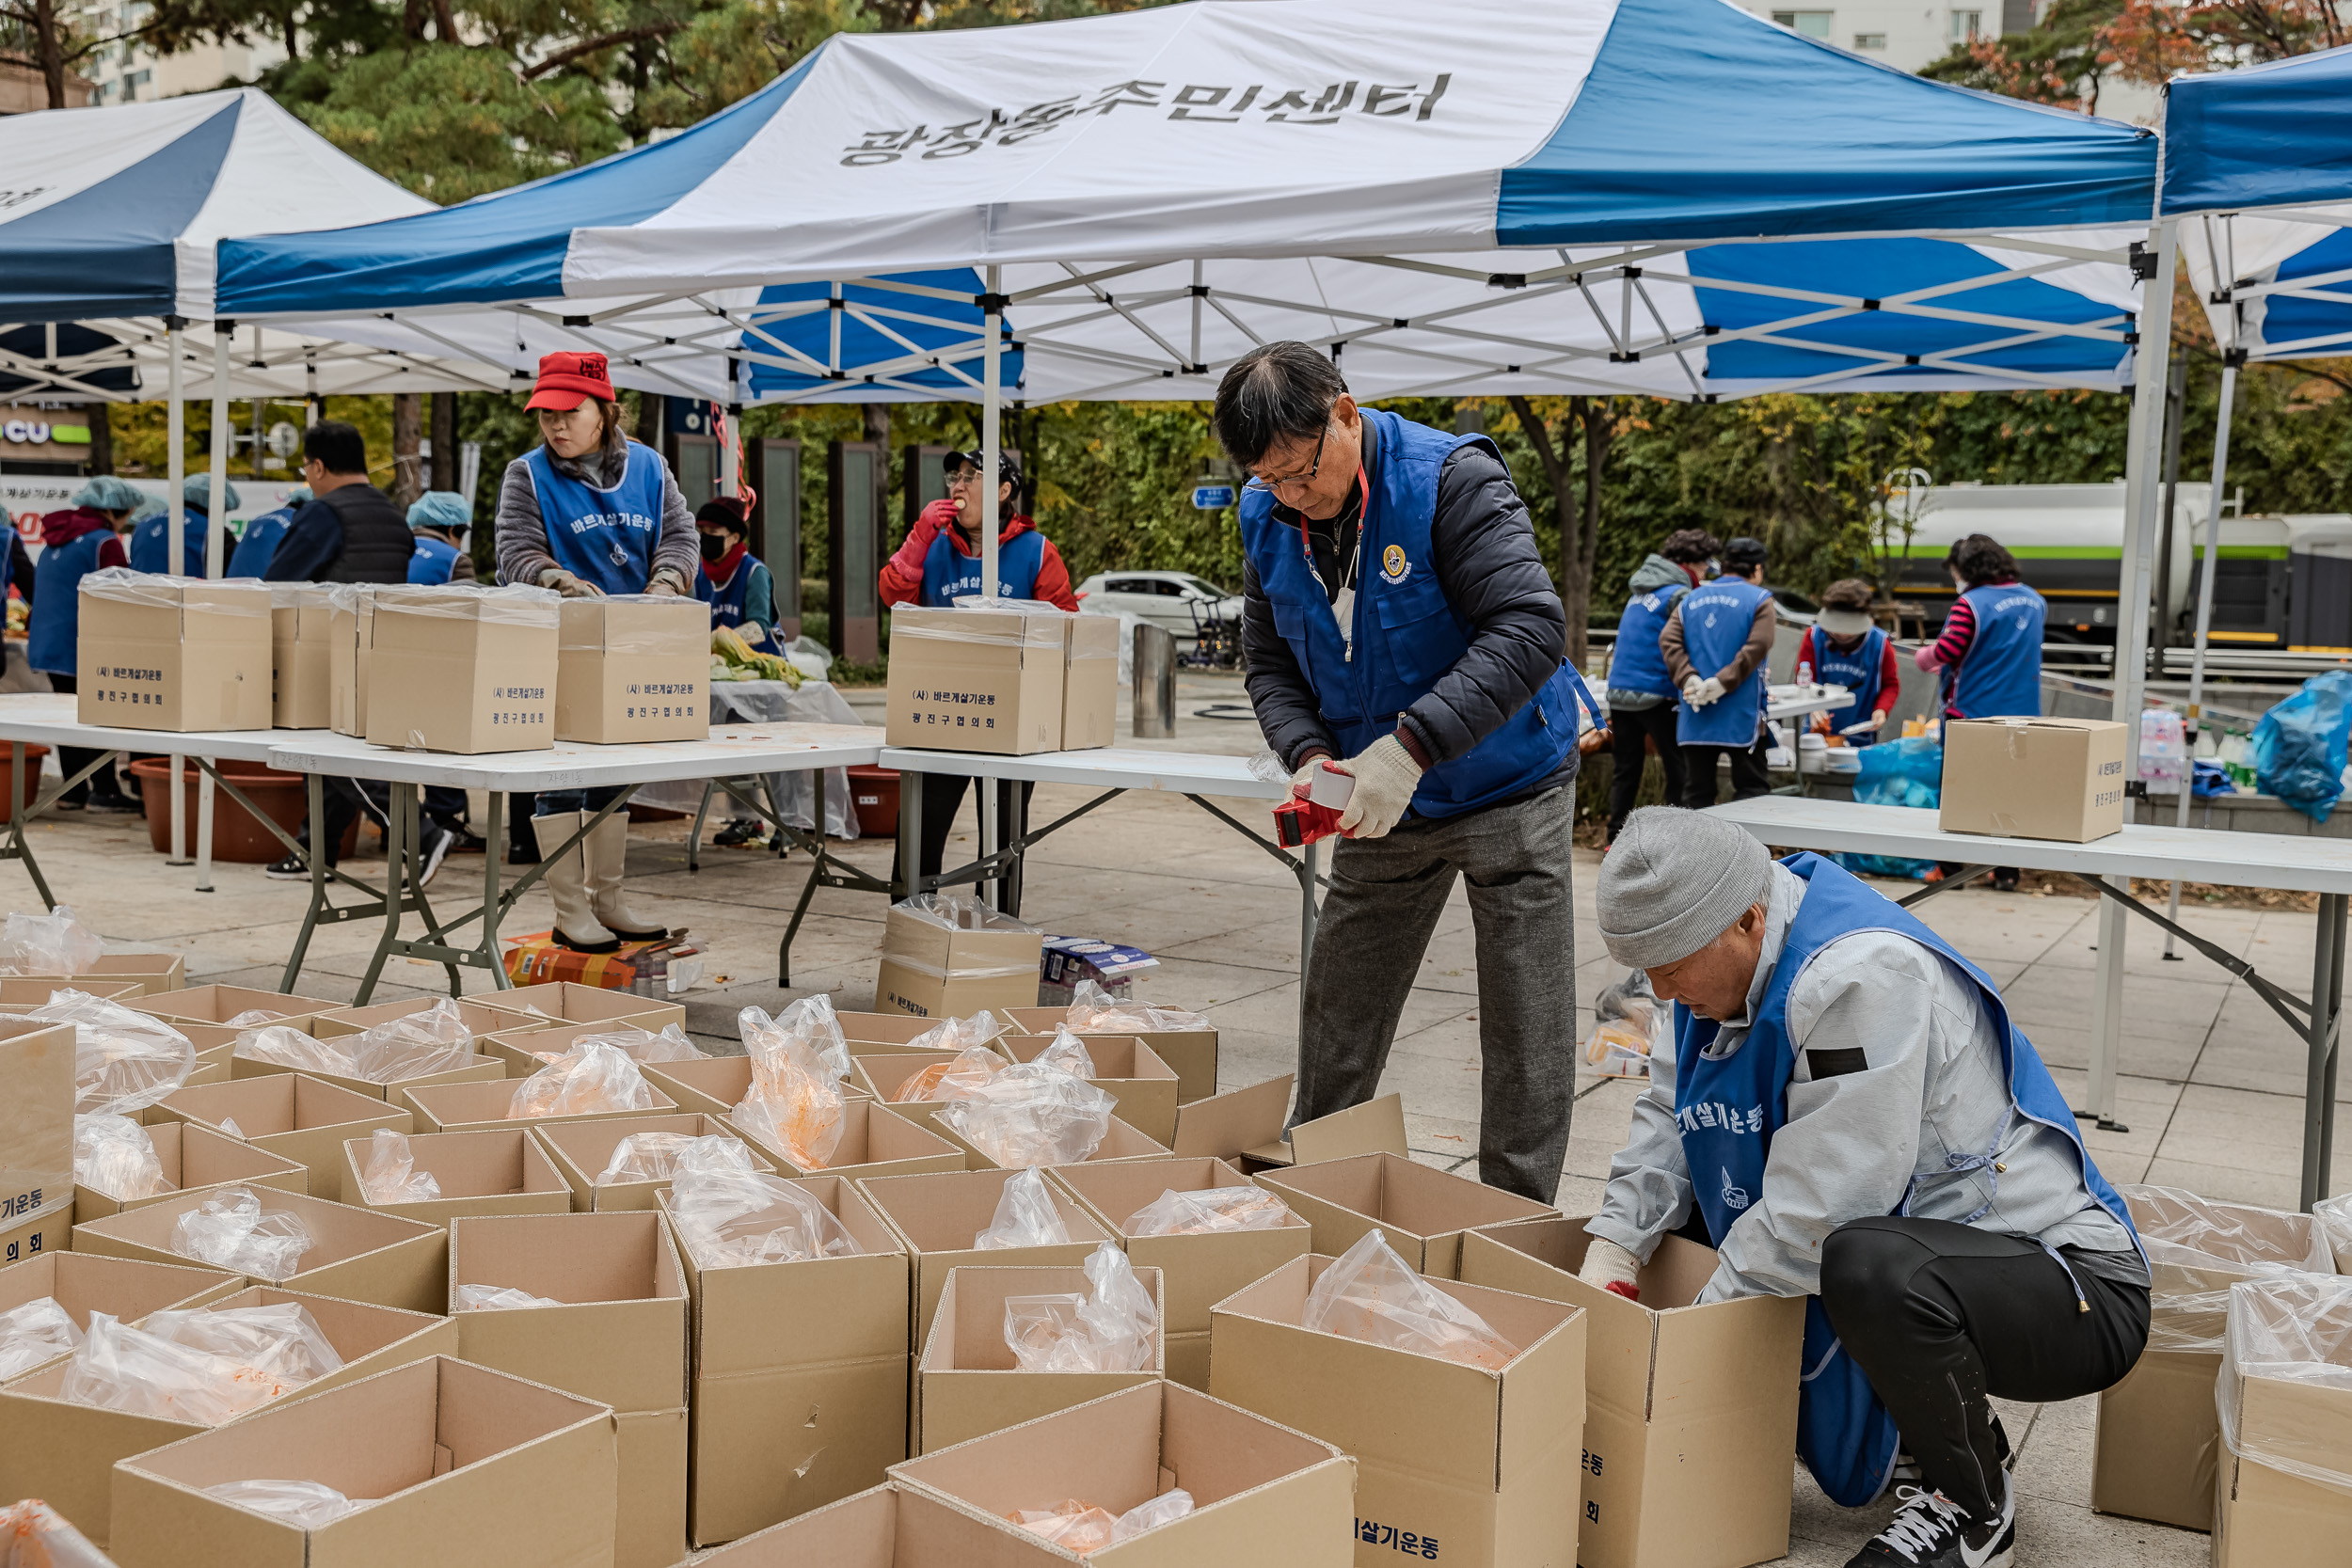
<point x="441" y="509"/>
<point x="108" y="493"/>
<point x="196" y="491"/>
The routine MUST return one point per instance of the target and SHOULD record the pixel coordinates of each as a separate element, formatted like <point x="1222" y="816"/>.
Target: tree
<point x="53" y="40"/>
<point x="1578" y="522"/>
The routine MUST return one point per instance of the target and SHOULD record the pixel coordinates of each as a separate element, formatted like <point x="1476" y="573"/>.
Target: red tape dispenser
<point x="1298" y="822"/>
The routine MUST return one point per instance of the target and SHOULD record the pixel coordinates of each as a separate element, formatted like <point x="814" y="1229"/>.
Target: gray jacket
<point x="1898" y="1077"/>
<point x="522" y="534"/>
<point x="1654" y="572"/>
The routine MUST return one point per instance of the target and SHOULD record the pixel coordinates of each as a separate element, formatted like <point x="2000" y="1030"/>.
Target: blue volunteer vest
<point x="433" y="561"/>
<point x="2001" y="671"/>
<point x="606" y="537"/>
<point x="151" y="545"/>
<point x="258" y="543"/>
<point x="1715" y="621"/>
<point x="727" y="601"/>
<point x="949" y="575"/>
<point x="1729" y="1109"/>
<point x="1407" y="635"/>
<point x="1637" y="664"/>
<point x="55" y="630"/>
<point x="1857" y="668"/>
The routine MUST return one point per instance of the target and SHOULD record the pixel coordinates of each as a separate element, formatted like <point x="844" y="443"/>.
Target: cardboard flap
<point x="1375" y="1127"/>
<point x="1225" y="1125"/>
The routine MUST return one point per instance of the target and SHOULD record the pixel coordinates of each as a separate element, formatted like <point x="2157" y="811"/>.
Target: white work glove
<point x="1386" y="776"/>
<point x="568" y="585"/>
<point x="1610" y="1267"/>
<point x="667" y="584"/>
<point x="1698" y="693"/>
<point x="1304" y="775"/>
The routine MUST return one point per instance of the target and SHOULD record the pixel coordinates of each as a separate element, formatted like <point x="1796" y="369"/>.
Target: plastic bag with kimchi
<point x="1080" y="1528"/>
<point x="958" y="1033"/>
<point x="1032" y="1114"/>
<point x="33" y="1535"/>
<point x="1025" y="1216"/>
<point x="115" y="1155"/>
<point x="1368" y="1293"/>
<point x="52" y="944"/>
<point x="414" y="1046"/>
<point x="1107" y="1330"/>
<point x="201" y="1374"/>
<point x="592" y="1077"/>
<point x="729" y="1217"/>
<point x="122" y="1061"/>
<point x="232" y="1230"/>
<point x="952" y="1078"/>
<point x="1209" y="1210"/>
<point x="1095" y="1011"/>
<point x="390" y="1174"/>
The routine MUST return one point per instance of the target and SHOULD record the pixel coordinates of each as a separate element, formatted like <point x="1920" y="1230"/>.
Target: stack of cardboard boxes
<point x="1009" y="682"/>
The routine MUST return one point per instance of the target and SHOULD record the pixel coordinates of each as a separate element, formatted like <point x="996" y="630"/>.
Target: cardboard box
<point x="194" y="1158"/>
<point x="160" y="653"/>
<point x="967" y="1383"/>
<point x="2033" y="778"/>
<point x="483" y="1017"/>
<point x="301" y="645"/>
<point x="580" y="1150"/>
<point x="65" y="1452"/>
<point x="800" y="1374"/>
<point x="214" y="1064"/>
<point x="44" y="1230"/>
<point x="1128" y="1070"/>
<point x="713" y="1086"/>
<point x="16" y="991"/>
<point x="36" y="1118"/>
<point x="619" y="1340"/>
<point x="1120" y="1141"/>
<point x="483" y="1107"/>
<point x="1090" y="705"/>
<point x="1672" y="1393"/>
<point x="1486" y="1464"/>
<point x="1196" y="1272"/>
<point x="885" y="1527"/>
<point x="633" y="669"/>
<point x="290" y="1115"/>
<point x="874" y="1142"/>
<point x="2269" y="1510"/>
<point x="350" y="646"/>
<point x="477" y="1069"/>
<point x="569" y="1002"/>
<point x="464" y="670"/>
<point x="83" y="1283"/>
<point x="522" y="1045"/>
<point x="480" y="1173"/>
<point x="937" y="1217"/>
<point x="217" y="1005"/>
<point x="1263" y="1495"/>
<point x="1244" y="1127"/>
<point x="153" y="972"/>
<point x="1421" y="1212"/>
<point x="1191" y="1051"/>
<point x="879" y="1033"/>
<point x="465" y="1465"/>
<point x="356" y="1254"/>
<point x="882" y="1075"/>
<point x="977" y="680"/>
<point x="934" y="971"/>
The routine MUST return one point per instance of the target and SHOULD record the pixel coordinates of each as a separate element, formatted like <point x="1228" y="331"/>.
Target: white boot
<point x="567" y="878"/>
<point x="607" y="864"/>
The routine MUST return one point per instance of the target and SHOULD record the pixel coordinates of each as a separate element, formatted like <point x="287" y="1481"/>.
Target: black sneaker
<point x="1929" y="1530"/>
<point x="744" y="832"/>
<point x="294" y="868"/>
<point x="432" y="850"/>
<point x="113" y="800"/>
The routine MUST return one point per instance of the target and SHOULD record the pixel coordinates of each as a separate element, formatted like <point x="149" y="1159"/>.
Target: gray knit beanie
<point x="1674" y="880"/>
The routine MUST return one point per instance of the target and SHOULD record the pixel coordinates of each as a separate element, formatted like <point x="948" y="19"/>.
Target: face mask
<point x="714" y="546"/>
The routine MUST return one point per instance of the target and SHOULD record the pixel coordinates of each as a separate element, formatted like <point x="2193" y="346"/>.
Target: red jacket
<point x="902" y="573"/>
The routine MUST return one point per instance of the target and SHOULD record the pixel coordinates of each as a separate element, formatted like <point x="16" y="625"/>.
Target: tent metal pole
<point x="991" y="443"/>
<point x="216" y="508"/>
<point x="175" y="532"/>
<point x="2231" y="360"/>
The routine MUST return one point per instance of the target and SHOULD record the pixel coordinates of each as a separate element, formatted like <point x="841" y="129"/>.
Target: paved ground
<point x="2211" y="1091"/>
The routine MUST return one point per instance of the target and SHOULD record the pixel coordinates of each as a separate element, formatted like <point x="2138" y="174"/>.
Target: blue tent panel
<point x="864" y="344"/>
<point x="2287" y="320"/>
<point x="2269" y="136"/>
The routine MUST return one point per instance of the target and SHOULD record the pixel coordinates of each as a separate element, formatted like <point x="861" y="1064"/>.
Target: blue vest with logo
<point x="1716" y="617"/>
<point x="949" y="575"/>
<point x="151" y="545"/>
<point x="1857" y="668"/>
<point x="1730" y="1108"/>
<point x="1638" y="665"/>
<point x="729" y="602"/>
<point x="604" y="537"/>
<point x="1407" y="635"/>
<point x="433" y="562"/>
<point x="54" y="629"/>
<point x="2001" y="671"/>
<point x="258" y="543"/>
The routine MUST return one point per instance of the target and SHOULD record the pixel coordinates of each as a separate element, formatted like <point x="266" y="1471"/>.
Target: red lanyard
<point x="1363" y="517"/>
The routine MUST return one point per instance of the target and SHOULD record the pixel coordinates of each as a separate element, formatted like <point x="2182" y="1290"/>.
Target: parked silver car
<point x="1169" y="599"/>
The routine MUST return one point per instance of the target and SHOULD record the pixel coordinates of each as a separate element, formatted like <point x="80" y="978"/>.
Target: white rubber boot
<point x="567" y="878"/>
<point x="608" y="865"/>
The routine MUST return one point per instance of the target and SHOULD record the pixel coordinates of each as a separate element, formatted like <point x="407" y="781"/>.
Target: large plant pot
<point x="236" y="837"/>
<point x="27" y="789"/>
<point x="874" y="794"/>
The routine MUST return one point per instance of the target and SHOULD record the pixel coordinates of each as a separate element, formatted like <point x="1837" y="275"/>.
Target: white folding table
<point x="2282" y="860"/>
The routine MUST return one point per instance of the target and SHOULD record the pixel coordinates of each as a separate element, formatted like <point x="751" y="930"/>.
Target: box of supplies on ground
<point x="193" y="1156"/>
<point x="479" y="1173"/>
<point x="1421" y="1212"/>
<point x="2284" y="1499"/>
<point x="464" y="670"/>
<point x="885" y="1527"/>
<point x="978" y="680"/>
<point x="968" y="1383"/>
<point x="1185" y="1040"/>
<point x="160" y="653"/>
<point x="355" y="1254"/>
<point x="633" y="667"/>
<point x="1668" y="1386"/>
<point x="2033" y="778"/>
<point x="301" y="643"/>
<point x="948" y="955"/>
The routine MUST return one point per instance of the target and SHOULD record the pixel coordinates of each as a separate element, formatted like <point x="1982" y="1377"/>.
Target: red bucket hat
<point x="565" y="379"/>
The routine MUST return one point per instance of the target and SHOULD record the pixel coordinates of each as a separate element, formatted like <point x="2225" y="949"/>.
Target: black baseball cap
<point x="1008" y="466"/>
<point x="1743" y="553"/>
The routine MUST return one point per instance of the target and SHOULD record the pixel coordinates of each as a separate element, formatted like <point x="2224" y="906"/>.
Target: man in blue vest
<point x="259" y="542"/>
<point x="1643" y="713"/>
<point x="76" y="542"/>
<point x="1848" y="1114"/>
<point x="1400" y="627"/>
<point x="1715" y="643"/>
<point x="150" y="541"/>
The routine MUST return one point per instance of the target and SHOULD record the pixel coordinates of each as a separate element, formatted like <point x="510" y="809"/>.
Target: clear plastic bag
<point x="141" y="1371"/>
<point x="1368" y="1293"/>
<point x="52" y="944"/>
<point x="304" y="1504"/>
<point x="390" y="1174"/>
<point x="1032" y="1114"/>
<point x="638" y="1045"/>
<point x="729" y="1218"/>
<point x="230" y="1229"/>
<point x="413" y="1046"/>
<point x="1068" y="1053"/>
<point x="593" y="1078"/>
<point x="1107" y="1330"/>
<point x="498" y="1298"/>
<point x="1025" y="1216"/>
<point x="958" y="1033"/>
<point x="33" y="1535"/>
<point x="39" y="1330"/>
<point x="115" y="1156"/>
<point x="953" y="1079"/>
<point x="282" y="1046"/>
<point x="252" y="1018"/>
<point x="2334" y="1215"/>
<point x="1080" y="1528"/>
<point x="229" y="1125"/>
<point x="1208" y="1211"/>
<point x="122" y="1061"/>
<point x="808" y="1026"/>
<point x="796" y="1112"/>
<point x="656" y="1156"/>
<point x="960" y="911"/>
<point x="2197" y="1249"/>
<point x="279" y="1341"/>
<point x="2294" y="1329"/>
<point x="1096" y="1011"/>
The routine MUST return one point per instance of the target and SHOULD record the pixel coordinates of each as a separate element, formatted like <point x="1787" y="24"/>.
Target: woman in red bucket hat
<point x="590" y="513"/>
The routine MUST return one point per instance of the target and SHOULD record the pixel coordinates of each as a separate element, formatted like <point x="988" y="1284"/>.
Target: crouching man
<point x="1848" y="1114"/>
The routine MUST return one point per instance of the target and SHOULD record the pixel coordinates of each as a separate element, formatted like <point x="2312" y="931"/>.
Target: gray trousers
<point x="1384" y="899"/>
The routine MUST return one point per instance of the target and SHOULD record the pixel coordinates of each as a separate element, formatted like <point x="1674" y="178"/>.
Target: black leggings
<point x="1749" y="775"/>
<point x="1940" y="1316"/>
<point x="1631" y="731"/>
<point x="943" y="797"/>
<point x="72" y="759"/>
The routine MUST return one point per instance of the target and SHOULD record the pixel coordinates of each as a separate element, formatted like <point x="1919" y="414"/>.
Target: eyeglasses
<point x="1287" y="480"/>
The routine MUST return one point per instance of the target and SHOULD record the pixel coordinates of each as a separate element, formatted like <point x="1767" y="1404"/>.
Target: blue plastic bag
<point x="2299" y="745"/>
<point x="1906" y="773"/>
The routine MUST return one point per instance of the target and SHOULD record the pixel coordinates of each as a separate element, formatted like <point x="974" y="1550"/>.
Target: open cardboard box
<point x="83" y="1283"/>
<point x="582" y="1150"/>
<point x="879" y="1033"/>
<point x="482" y="1016"/>
<point x="1263" y="1495"/>
<point x="884" y="1526"/>
<point x="480" y="1173"/>
<point x="937" y="1217"/>
<point x="2269" y="1509"/>
<point x="217" y="1005"/>
<point x="569" y="1002"/>
<point x="968" y="1384"/>
<point x="1192" y="1052"/>
<point x="526" y="1046"/>
<point x="356" y="1254"/>
<point x="483" y="1107"/>
<point x="290" y="1114"/>
<point x="36" y="1119"/>
<point x="710" y="1087"/>
<point x="477" y="1069"/>
<point x="1197" y="1271"/>
<point x="16" y="991"/>
<point x="789" y="1422"/>
<point x="1689" y="1412"/>
<point x="65" y="1452"/>
<point x="1452" y="1461"/>
<point x="458" y="1463"/>
<point x="874" y="1142"/>
<point x="1244" y="1127"/>
<point x="194" y="1157"/>
<point x="1421" y="1212"/>
<point x="1128" y="1070"/>
<point x="619" y="1339"/>
<point x="1120" y="1141"/>
<point x="880" y="1074"/>
<point x="936" y="973"/>
<point x="154" y="973"/>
